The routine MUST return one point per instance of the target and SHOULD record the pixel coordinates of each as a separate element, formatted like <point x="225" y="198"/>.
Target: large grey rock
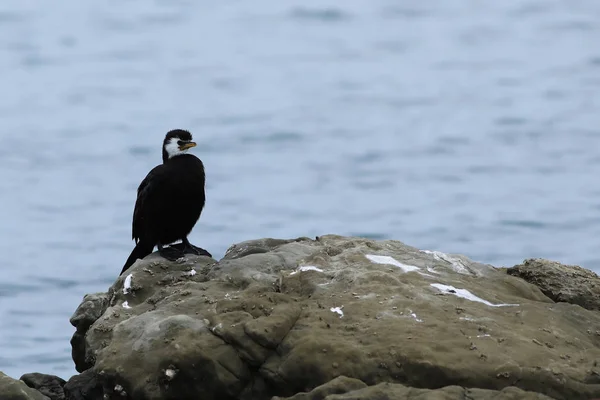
<point x="276" y="318"/>
<point x="12" y="389"/>
<point x="561" y="283"/>
<point x="48" y="385"/>
<point x="343" y="388"/>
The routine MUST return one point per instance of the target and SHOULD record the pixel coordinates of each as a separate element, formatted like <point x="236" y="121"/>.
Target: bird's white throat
<point x="172" y="148"/>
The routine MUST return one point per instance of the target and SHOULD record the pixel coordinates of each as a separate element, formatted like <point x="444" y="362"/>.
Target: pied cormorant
<point x="169" y="202"/>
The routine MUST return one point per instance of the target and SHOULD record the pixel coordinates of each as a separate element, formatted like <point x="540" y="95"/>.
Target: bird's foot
<point x="199" y="251"/>
<point x="189" y="248"/>
<point x="171" y="253"/>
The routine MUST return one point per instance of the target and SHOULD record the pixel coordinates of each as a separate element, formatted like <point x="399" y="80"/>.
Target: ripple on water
<point x="401" y="11"/>
<point x="7" y="362"/>
<point x="523" y="223"/>
<point x="331" y="14"/>
<point x="529" y="9"/>
<point x="455" y="140"/>
<point x="7" y="17"/>
<point x="57" y="283"/>
<point x="12" y="289"/>
<point x="281" y="137"/>
<point x="572" y="26"/>
<point x="491" y="169"/>
<point x="141" y="150"/>
<point x="365" y="184"/>
<point x="37" y="60"/>
<point x="233" y="120"/>
<point x="163" y="19"/>
<point x="510" y="121"/>
<point x="368" y="157"/>
<point x="51" y="359"/>
<point x="393" y="46"/>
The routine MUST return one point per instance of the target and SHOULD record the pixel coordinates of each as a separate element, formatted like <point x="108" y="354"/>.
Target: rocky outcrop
<point x="12" y="389"/>
<point x="561" y="283"/>
<point x="334" y="318"/>
<point x="367" y="319"/>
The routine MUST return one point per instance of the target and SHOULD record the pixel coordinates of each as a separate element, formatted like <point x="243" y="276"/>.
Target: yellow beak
<point x="187" y="145"/>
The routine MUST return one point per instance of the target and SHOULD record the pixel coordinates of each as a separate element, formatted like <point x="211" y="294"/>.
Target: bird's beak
<point x="187" y="145"/>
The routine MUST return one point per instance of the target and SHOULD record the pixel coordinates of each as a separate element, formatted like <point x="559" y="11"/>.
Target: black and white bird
<point x="169" y="201"/>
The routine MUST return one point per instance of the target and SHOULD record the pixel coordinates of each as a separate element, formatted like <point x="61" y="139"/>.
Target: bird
<point x="169" y="202"/>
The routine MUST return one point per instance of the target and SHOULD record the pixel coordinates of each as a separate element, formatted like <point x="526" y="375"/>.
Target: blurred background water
<point x="463" y="126"/>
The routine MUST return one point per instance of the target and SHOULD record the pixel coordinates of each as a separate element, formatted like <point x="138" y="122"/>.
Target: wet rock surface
<point x="331" y="318"/>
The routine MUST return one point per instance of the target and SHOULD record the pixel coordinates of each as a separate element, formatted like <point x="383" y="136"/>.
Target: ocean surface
<point x="461" y="126"/>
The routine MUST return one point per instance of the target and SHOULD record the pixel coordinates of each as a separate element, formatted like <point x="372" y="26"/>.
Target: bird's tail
<point x="140" y="250"/>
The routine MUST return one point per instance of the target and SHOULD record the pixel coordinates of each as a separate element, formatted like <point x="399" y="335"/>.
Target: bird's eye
<point x="180" y="142"/>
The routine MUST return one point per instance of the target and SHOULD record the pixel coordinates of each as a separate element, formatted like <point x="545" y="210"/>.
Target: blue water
<point x="463" y="126"/>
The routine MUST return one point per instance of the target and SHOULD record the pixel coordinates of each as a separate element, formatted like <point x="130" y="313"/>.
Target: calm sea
<point x="463" y="126"/>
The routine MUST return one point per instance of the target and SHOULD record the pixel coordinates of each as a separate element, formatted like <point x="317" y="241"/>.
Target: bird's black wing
<point x="148" y="194"/>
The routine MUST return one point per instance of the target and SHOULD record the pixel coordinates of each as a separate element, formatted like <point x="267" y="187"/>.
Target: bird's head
<point x="177" y="142"/>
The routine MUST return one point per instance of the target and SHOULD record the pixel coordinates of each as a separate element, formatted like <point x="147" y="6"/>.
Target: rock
<point x="343" y="388"/>
<point x="279" y="318"/>
<point x="48" y="385"/>
<point x="85" y="386"/>
<point x="562" y="283"/>
<point x="12" y="389"/>
<point x="92" y="307"/>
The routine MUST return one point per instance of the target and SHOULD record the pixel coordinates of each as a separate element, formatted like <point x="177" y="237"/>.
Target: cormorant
<point x="169" y="201"/>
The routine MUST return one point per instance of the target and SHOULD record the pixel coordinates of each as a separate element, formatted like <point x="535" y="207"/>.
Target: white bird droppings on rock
<point x="119" y="389"/>
<point x="191" y="272"/>
<point x="126" y="304"/>
<point x="127" y="284"/>
<point x="305" y="268"/>
<point x="390" y="261"/>
<point x="170" y="373"/>
<point x="456" y="263"/>
<point x="338" y="310"/>
<point x="465" y="294"/>
<point x="412" y="314"/>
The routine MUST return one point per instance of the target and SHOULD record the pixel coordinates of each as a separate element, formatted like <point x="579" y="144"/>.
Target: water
<point x="460" y="126"/>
